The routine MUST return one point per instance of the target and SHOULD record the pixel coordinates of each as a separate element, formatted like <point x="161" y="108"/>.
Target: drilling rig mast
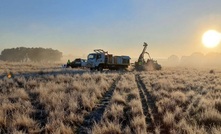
<point x="150" y="64"/>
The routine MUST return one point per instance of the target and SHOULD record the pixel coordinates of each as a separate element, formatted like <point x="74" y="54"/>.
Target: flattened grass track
<point x="146" y="108"/>
<point x="96" y="115"/>
<point x="149" y="108"/>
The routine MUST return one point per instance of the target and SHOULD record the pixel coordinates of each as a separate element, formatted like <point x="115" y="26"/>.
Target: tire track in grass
<point x="96" y="115"/>
<point x="126" y="116"/>
<point x="39" y="114"/>
<point x="153" y="118"/>
<point x="145" y="106"/>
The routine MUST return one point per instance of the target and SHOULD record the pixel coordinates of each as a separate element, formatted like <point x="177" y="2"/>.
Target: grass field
<point x="49" y="99"/>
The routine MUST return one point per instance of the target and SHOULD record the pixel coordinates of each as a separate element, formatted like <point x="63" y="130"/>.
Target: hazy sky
<point x="119" y="26"/>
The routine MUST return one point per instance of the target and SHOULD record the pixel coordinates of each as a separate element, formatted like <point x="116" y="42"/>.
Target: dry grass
<point x="63" y="100"/>
<point x="124" y="110"/>
<point x="188" y="100"/>
<point x="106" y="127"/>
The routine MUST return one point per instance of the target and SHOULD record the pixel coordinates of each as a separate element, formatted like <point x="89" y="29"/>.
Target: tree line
<point x="23" y="54"/>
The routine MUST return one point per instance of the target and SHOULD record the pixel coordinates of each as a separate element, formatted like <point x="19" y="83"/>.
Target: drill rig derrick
<point x="150" y="64"/>
<point x="141" y="57"/>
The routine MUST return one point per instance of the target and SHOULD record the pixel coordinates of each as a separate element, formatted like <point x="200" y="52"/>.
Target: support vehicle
<point x="100" y="60"/>
<point x="78" y="62"/>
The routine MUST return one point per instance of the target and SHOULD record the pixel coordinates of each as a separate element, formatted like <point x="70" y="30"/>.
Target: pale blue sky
<point x="77" y="27"/>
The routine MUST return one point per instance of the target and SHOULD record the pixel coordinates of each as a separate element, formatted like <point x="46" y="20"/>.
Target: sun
<point x="211" y="38"/>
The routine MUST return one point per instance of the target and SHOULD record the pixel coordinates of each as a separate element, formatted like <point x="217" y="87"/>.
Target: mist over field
<point x="153" y="67"/>
<point x="22" y="54"/>
<point x="197" y="59"/>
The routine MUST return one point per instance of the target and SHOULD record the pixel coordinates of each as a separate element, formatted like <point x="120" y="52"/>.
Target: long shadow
<point x="96" y="115"/>
<point x="42" y="73"/>
<point x="39" y="114"/>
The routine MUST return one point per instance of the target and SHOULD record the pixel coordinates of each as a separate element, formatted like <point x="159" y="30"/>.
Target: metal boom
<point x="141" y="57"/>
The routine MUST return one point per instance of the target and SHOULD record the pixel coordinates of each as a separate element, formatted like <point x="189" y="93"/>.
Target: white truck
<point x="100" y="60"/>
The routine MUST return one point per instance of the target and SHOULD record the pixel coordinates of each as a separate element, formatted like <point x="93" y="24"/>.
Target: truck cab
<point x="94" y="60"/>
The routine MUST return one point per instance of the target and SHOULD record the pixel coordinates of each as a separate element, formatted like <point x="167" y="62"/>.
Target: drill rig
<point x="150" y="64"/>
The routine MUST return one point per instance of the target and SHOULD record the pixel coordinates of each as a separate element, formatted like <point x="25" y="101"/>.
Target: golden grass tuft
<point x="168" y="119"/>
<point x="63" y="129"/>
<point x="210" y="117"/>
<point x="138" y="124"/>
<point x="24" y="122"/>
<point x="118" y="99"/>
<point x="114" y="112"/>
<point x="136" y="108"/>
<point x="58" y="127"/>
<point x="107" y="128"/>
<point x="21" y="94"/>
<point x="179" y="97"/>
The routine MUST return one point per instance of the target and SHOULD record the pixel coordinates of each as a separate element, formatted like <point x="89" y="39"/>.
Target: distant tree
<point x="53" y="55"/>
<point x="7" y="54"/>
<point x="22" y="54"/>
<point x="34" y="54"/>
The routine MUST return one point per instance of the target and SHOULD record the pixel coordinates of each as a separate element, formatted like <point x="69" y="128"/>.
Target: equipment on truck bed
<point x="150" y="64"/>
<point x="100" y="60"/>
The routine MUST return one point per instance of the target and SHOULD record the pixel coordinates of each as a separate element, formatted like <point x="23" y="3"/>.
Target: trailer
<point x="100" y="60"/>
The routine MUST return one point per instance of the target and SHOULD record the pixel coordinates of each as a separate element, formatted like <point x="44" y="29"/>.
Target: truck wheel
<point x="100" y="69"/>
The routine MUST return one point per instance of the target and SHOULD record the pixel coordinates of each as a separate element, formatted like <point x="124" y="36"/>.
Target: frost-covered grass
<point x="63" y="101"/>
<point x="124" y="113"/>
<point x="188" y="100"/>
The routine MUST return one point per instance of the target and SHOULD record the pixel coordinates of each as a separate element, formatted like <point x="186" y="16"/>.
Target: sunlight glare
<point x="211" y="38"/>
